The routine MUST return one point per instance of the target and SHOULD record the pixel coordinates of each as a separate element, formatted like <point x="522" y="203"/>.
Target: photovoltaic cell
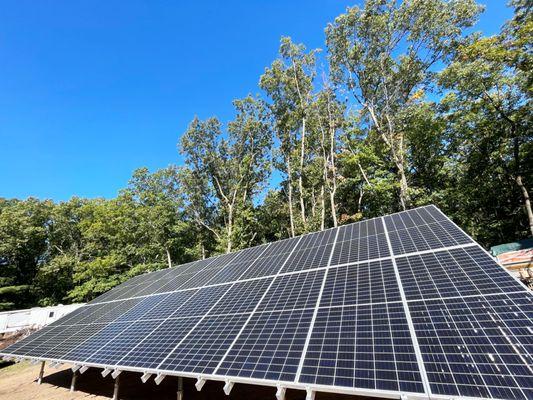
<point x="455" y="324"/>
<point x="202" y="301"/>
<point x="369" y="282"/>
<point x="34" y="341"/>
<point x="477" y="346"/>
<point x="172" y="304"/>
<point x="365" y="346"/>
<point x="293" y="291"/>
<point x="142" y="308"/>
<point x="457" y="272"/>
<point x="205" y="345"/>
<point x="360" y="249"/>
<point x="153" y="349"/>
<point x="242" y="297"/>
<point x="270" y="346"/>
<point x="90" y="341"/>
<point x="123" y="343"/>
<point x="425" y="237"/>
<point x="270" y="262"/>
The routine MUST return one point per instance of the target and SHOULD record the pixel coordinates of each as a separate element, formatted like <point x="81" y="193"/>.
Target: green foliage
<point x="409" y="111"/>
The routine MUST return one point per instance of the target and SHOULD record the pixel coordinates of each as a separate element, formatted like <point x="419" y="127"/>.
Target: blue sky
<point x="91" y="90"/>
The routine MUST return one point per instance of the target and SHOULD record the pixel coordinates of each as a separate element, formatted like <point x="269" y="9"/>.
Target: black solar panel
<point x="404" y="304"/>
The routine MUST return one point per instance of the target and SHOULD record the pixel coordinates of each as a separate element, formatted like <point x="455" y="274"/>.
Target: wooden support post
<point x="115" y="390"/>
<point x="73" y="382"/>
<point x="180" y="388"/>
<point x="40" y="379"/>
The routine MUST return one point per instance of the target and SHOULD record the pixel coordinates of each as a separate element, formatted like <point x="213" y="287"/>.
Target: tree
<point x="489" y="82"/>
<point x="289" y="84"/>
<point x="226" y="171"/>
<point x="161" y="213"/>
<point x="23" y="244"/>
<point x="383" y="54"/>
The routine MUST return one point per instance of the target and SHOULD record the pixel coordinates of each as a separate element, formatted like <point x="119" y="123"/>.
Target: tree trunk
<point x="300" y="177"/>
<point x="527" y="202"/>
<point x="169" y="259"/>
<point x="323" y="209"/>
<point x="333" y="188"/>
<point x="404" y="200"/>
<point x="289" y="195"/>
<point x="229" y="229"/>
<point x="313" y="203"/>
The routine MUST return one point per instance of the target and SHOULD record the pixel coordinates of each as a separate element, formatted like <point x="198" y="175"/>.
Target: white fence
<point x="11" y="321"/>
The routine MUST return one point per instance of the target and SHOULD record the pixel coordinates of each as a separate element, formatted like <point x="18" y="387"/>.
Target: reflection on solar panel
<point x="403" y="305"/>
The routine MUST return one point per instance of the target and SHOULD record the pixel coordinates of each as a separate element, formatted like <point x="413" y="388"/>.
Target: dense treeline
<point x="409" y="110"/>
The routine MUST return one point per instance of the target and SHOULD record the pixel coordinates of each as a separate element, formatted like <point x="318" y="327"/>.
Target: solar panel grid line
<point x="313" y="319"/>
<point x="481" y="247"/>
<point x="418" y="353"/>
<point x="255" y="309"/>
<point x="193" y="328"/>
<point x="270" y="345"/>
<point x="170" y="316"/>
<point x="431" y="251"/>
<point x="391" y="334"/>
<point x="204" y="268"/>
<point x="70" y="336"/>
<point x="422" y="252"/>
<point x="488" y="295"/>
<point x="146" y="290"/>
<point x="452" y="322"/>
<point x="250" y="265"/>
<point x="472" y="382"/>
<point x="514" y="334"/>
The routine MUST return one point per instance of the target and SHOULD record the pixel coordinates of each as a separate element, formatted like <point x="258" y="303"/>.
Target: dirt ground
<point x="18" y="382"/>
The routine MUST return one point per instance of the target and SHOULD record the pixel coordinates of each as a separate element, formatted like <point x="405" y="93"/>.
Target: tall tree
<point x="161" y="212"/>
<point x="289" y="84"/>
<point x="383" y="53"/>
<point x="231" y="167"/>
<point x="23" y="245"/>
<point x="490" y="88"/>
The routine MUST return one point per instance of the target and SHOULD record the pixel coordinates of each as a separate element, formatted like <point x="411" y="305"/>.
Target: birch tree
<point x="383" y="54"/>
<point x="289" y="84"/>
<point x="231" y="167"/>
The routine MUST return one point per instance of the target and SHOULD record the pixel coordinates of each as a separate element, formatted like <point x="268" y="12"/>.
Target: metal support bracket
<point x="41" y="373"/>
<point x="145" y="377"/>
<point x="115" y="373"/>
<point x="73" y="382"/>
<point x="200" y="382"/>
<point x="159" y="378"/>
<point x="34" y="361"/>
<point x="116" y="388"/>
<point x="227" y="387"/>
<point x="106" y="372"/>
<point x="280" y="393"/>
<point x="180" y="388"/>
<point x="75" y="367"/>
<point x="310" y="394"/>
<point x="83" y="369"/>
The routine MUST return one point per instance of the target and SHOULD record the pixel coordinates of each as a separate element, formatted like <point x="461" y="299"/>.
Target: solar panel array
<point x="403" y="304"/>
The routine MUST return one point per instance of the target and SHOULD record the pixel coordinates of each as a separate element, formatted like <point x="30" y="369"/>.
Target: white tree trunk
<point x="169" y="259"/>
<point x="527" y="202"/>
<point x="289" y="195"/>
<point x="300" y="177"/>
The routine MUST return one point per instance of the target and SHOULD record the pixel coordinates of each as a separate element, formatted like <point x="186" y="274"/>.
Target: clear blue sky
<point x="91" y="90"/>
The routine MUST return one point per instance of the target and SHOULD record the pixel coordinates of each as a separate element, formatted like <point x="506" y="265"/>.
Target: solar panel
<point x="405" y="304"/>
